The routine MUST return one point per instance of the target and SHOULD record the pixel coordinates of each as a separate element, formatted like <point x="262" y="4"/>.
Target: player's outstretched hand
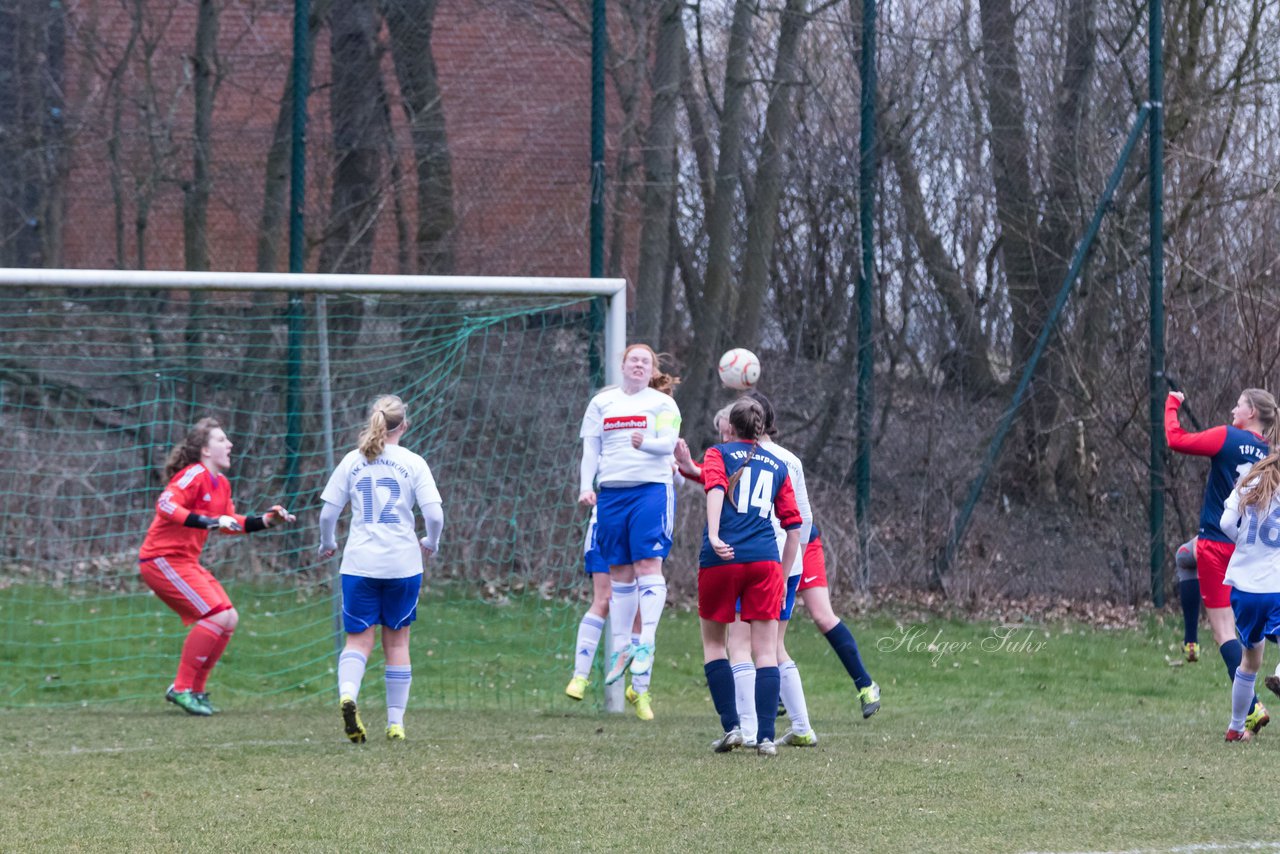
<point x="229" y="524"/>
<point x="682" y="455"/>
<point x="277" y="515"/>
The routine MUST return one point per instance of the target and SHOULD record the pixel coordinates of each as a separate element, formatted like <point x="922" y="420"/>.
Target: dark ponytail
<point x="747" y="420"/>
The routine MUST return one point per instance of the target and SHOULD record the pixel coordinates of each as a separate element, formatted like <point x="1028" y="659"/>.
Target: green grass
<point x="1090" y="741"/>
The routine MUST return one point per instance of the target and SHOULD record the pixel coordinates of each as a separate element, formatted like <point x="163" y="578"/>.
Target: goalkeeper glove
<point x="210" y="523"/>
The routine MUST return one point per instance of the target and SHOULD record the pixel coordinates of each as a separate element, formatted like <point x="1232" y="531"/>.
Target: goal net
<point x="102" y="372"/>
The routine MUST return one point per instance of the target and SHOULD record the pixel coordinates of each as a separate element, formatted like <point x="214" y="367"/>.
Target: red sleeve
<point x="174" y="500"/>
<point x="696" y="478"/>
<point x="1203" y="444"/>
<point x="713" y="474"/>
<point x="784" y="504"/>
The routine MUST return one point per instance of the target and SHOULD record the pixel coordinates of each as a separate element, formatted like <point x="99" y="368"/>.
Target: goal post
<point x="101" y="371"/>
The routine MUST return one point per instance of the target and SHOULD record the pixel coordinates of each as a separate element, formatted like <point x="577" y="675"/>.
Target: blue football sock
<point x="720" y="682"/>
<point x="768" y="685"/>
<point x="841" y="640"/>
<point x="1189" y="594"/>
<point x="1232" y="651"/>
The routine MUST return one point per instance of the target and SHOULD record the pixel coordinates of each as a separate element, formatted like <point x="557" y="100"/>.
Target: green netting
<point x="95" y="388"/>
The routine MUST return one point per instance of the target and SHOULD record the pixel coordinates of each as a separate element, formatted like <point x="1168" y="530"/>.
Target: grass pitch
<point x="1035" y="738"/>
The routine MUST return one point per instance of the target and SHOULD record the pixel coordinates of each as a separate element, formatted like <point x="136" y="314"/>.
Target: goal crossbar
<point x="613" y="290"/>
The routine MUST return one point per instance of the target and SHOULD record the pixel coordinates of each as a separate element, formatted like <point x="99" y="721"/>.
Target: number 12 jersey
<point x="382" y="541"/>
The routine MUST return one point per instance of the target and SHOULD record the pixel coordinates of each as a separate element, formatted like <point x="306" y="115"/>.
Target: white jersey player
<point x="1251" y="517"/>
<point x="628" y="435"/>
<point x="382" y="562"/>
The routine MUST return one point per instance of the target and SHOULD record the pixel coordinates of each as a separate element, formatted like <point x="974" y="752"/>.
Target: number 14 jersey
<point x="764" y="488"/>
<point x="382" y="541"/>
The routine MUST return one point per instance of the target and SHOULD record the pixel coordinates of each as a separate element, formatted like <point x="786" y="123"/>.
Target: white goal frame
<point x="614" y="291"/>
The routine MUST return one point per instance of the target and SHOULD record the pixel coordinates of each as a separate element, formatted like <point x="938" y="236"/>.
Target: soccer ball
<point x="739" y="369"/>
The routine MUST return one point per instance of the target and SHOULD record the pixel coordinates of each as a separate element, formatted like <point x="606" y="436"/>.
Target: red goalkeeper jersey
<point x="192" y="490"/>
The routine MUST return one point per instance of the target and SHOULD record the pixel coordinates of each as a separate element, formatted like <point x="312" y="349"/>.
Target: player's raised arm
<point x="1203" y="444"/>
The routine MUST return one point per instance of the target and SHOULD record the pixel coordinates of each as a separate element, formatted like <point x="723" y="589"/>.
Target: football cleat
<point x="577" y="687"/>
<point x="1273" y="683"/>
<point x="395" y="732"/>
<point x="351" y="723"/>
<point x="188" y="702"/>
<point x="766" y="748"/>
<point x="796" y="739"/>
<point x="1239" y="735"/>
<point x="644" y="711"/>
<point x="869" y="697"/>
<point x="1257" y="719"/>
<point x="1191" y="650"/>
<point x="641" y="659"/>
<point x="203" y="696"/>
<point x="618" y="664"/>
<point x="728" y="741"/>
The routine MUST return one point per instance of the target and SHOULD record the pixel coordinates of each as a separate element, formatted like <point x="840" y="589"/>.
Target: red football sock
<point x="204" y="641"/>
<point x="202" y="675"/>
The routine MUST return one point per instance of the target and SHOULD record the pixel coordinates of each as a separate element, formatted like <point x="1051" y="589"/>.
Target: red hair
<point x="660" y="381"/>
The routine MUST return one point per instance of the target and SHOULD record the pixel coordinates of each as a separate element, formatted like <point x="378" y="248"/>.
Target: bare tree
<point x="410" y="23"/>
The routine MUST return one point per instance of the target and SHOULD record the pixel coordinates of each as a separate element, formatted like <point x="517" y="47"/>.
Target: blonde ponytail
<point x="1265" y="410"/>
<point x="386" y="415"/>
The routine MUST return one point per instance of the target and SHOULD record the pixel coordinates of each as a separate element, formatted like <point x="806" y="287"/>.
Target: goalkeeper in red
<point x="197" y="501"/>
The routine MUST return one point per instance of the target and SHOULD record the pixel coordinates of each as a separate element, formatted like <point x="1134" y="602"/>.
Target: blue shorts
<point x="634" y="522"/>
<point x="1257" y="616"/>
<point x="788" y="603"/>
<point x="593" y="561"/>
<point x="793" y="584"/>
<point x="368" y="602"/>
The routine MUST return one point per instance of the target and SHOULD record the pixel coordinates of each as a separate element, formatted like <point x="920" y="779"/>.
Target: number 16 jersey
<point x="382" y="541"/>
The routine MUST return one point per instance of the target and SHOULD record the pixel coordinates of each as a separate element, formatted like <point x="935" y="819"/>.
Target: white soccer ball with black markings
<point x="739" y="369"/>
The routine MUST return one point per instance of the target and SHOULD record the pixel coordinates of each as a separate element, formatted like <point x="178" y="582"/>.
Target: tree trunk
<point x="762" y="219"/>
<point x="973" y="366"/>
<point x="195" y="208"/>
<point x="410" y="23"/>
<point x="659" y="177"/>
<point x="275" y="187"/>
<point x="1017" y="218"/>
<point x="1061" y="230"/>
<point x="30" y="69"/>
<point x="709" y="339"/>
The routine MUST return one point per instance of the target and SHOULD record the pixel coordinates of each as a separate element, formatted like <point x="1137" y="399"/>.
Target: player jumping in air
<point x="628" y="434"/>
<point x="1189" y="597"/>
<point x="197" y="500"/>
<point x="592" y="625"/>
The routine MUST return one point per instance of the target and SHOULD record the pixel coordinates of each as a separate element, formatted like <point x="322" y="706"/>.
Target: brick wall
<point x="516" y="89"/>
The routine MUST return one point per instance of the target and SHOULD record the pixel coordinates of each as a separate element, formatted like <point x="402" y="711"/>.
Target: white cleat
<point x="728" y="741"/>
